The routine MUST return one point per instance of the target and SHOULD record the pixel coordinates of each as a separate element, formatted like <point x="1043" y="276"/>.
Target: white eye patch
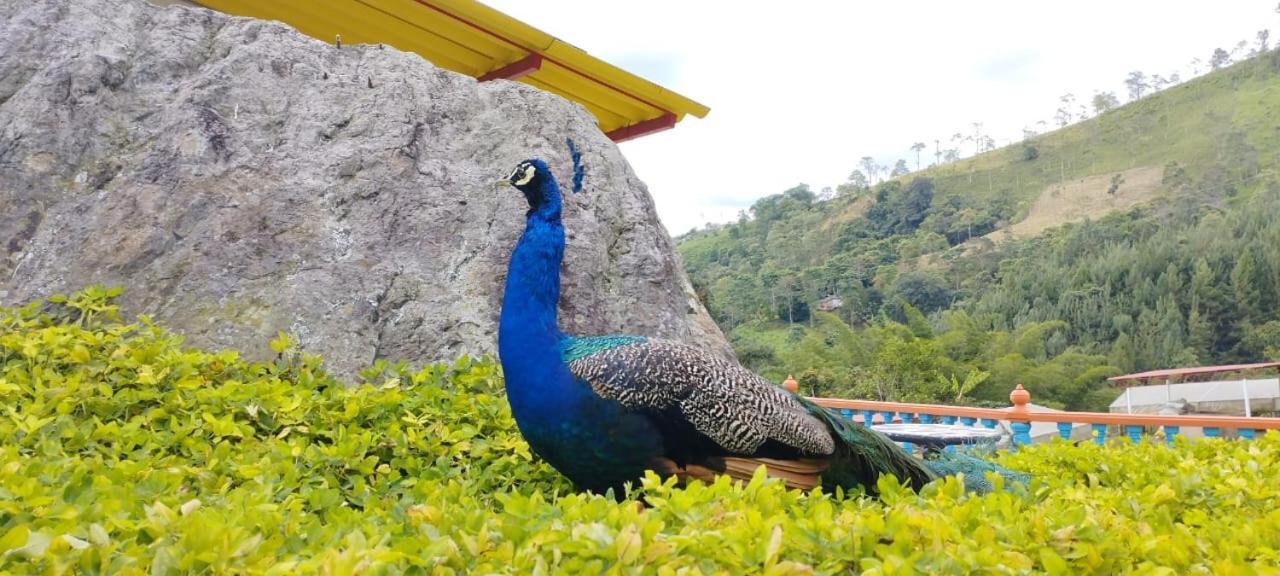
<point x="529" y="172"/>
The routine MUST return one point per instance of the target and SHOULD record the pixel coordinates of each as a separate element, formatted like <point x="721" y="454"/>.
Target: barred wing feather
<point x="735" y="408"/>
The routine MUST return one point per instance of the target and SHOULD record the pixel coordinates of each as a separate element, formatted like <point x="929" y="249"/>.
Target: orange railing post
<point x="1019" y="421"/>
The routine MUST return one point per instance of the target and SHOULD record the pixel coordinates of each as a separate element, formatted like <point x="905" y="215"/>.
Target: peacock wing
<point x="732" y="406"/>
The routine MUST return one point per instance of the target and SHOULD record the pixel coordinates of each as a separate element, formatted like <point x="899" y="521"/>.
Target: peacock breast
<point x="595" y="442"/>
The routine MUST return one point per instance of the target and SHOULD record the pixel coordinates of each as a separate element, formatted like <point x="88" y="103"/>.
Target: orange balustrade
<point x="1021" y="418"/>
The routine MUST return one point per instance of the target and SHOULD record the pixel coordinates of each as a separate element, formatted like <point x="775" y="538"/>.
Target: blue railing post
<point x="906" y="419"/>
<point x="1064" y="430"/>
<point x="990" y="422"/>
<point x="1246" y="433"/>
<point x="948" y="419"/>
<point x="1212" y="432"/>
<point x="1100" y="434"/>
<point x="867" y="415"/>
<point x="847" y="414"/>
<point x="968" y="420"/>
<point x="1021" y="433"/>
<point x="1169" y="433"/>
<point x="1134" y="431"/>
<point x="887" y="416"/>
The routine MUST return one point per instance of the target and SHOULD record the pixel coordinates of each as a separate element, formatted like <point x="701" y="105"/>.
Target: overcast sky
<point x="800" y="90"/>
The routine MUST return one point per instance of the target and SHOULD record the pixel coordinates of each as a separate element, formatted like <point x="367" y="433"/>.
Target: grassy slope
<point x="1184" y="124"/>
<point x="1187" y="124"/>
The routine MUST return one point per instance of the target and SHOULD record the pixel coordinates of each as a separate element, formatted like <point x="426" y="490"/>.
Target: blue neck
<point x="528" y="337"/>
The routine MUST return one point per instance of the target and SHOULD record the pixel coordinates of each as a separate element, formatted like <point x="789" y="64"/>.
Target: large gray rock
<point x="238" y="178"/>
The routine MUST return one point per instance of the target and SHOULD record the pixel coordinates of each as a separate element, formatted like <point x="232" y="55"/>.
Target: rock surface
<point x="239" y="178"/>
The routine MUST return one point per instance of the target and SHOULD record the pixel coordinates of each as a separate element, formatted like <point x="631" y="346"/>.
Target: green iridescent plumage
<point x="578" y="347"/>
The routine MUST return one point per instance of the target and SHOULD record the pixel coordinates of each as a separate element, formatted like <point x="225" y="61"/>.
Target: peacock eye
<point x="523" y="174"/>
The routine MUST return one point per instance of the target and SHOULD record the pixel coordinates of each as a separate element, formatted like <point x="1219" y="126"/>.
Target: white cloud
<point x="799" y="91"/>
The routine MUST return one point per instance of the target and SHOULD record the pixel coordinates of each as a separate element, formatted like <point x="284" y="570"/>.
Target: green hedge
<point x="125" y="453"/>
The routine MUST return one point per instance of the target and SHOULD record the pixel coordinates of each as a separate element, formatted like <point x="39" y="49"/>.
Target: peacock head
<point x="534" y="179"/>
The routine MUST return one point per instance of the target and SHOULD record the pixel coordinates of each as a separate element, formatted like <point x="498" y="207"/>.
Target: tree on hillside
<point x="1137" y="84"/>
<point x="871" y="168"/>
<point x="1104" y="101"/>
<point x="951" y="154"/>
<point x="900" y="210"/>
<point x="900" y="168"/>
<point x="1264" y="37"/>
<point x="1219" y="59"/>
<point x="1064" y="116"/>
<point x="924" y="291"/>
<point x="1239" y="49"/>
<point x="1247" y="282"/>
<point x="1082" y="112"/>
<point x="977" y="137"/>
<point x="937" y="151"/>
<point x="859" y="180"/>
<point x="968" y="217"/>
<point x="917" y="147"/>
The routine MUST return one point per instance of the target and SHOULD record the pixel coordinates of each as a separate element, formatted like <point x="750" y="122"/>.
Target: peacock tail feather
<point x="974" y="469"/>
<point x="576" y="156"/>
<point x="862" y="455"/>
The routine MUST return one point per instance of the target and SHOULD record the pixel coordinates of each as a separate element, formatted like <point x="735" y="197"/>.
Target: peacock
<point x="604" y="409"/>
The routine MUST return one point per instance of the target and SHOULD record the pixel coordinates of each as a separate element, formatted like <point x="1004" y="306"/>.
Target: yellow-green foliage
<point x="124" y="453"/>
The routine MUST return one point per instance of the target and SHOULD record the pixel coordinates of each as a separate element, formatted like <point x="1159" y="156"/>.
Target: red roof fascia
<point x="663" y="122"/>
<point x="1197" y="371"/>
<point x="522" y="67"/>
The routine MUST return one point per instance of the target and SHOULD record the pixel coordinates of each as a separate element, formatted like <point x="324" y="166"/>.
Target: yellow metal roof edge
<point x="535" y="40"/>
<point x="636" y="85"/>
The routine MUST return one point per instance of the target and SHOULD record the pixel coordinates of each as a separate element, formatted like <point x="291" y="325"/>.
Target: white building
<point x="1221" y="397"/>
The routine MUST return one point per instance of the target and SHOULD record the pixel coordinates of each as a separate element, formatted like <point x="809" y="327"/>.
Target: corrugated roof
<point x="468" y="37"/>
<point x="1176" y="373"/>
<point x="1196" y="392"/>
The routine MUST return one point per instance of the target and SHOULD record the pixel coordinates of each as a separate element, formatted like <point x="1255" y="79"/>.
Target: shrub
<point x="125" y="453"/>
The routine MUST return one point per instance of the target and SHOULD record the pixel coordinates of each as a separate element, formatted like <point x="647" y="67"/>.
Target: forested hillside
<point x="1144" y="237"/>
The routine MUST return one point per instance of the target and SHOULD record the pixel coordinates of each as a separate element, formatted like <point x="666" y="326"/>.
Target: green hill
<point x="1137" y="239"/>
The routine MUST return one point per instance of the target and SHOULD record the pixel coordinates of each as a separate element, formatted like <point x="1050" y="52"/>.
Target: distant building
<point x="1221" y="397"/>
<point x="830" y="303"/>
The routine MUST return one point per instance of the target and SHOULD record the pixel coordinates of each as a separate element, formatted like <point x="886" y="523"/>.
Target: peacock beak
<point x="500" y="183"/>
